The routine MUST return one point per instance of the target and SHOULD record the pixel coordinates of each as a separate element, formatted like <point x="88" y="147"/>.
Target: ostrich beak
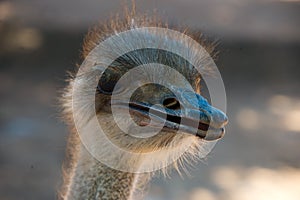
<point x="211" y="121"/>
<point x="194" y="116"/>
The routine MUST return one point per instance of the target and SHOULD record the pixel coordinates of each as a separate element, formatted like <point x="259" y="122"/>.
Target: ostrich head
<point x="165" y="99"/>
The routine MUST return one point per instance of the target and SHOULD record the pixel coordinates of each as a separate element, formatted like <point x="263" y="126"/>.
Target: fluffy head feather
<point x="165" y="146"/>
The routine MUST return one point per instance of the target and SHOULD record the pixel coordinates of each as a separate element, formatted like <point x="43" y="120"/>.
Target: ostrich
<point x="85" y="177"/>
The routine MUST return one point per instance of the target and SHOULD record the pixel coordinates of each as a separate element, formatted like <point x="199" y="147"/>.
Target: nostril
<point x="171" y="103"/>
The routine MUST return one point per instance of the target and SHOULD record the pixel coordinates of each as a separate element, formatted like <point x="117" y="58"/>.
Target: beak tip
<point x="225" y="120"/>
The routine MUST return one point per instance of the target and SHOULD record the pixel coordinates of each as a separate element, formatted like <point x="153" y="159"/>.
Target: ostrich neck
<point x="93" y="180"/>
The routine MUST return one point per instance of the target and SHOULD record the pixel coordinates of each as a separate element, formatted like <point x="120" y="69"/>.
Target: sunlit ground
<point x="253" y="183"/>
<point x="258" y="183"/>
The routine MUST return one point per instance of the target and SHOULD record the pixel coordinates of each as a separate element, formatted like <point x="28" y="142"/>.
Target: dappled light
<point x="282" y="110"/>
<point x="287" y="111"/>
<point x="292" y="120"/>
<point x="258" y="183"/>
<point x="201" y="193"/>
<point x="24" y="38"/>
<point x="248" y="119"/>
<point x="6" y="10"/>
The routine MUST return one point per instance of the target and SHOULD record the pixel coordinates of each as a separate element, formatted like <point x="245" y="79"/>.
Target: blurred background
<point x="259" y="158"/>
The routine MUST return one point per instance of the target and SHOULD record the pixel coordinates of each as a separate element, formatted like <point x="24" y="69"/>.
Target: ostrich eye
<point x="108" y="82"/>
<point x="171" y="103"/>
<point x="106" y="87"/>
